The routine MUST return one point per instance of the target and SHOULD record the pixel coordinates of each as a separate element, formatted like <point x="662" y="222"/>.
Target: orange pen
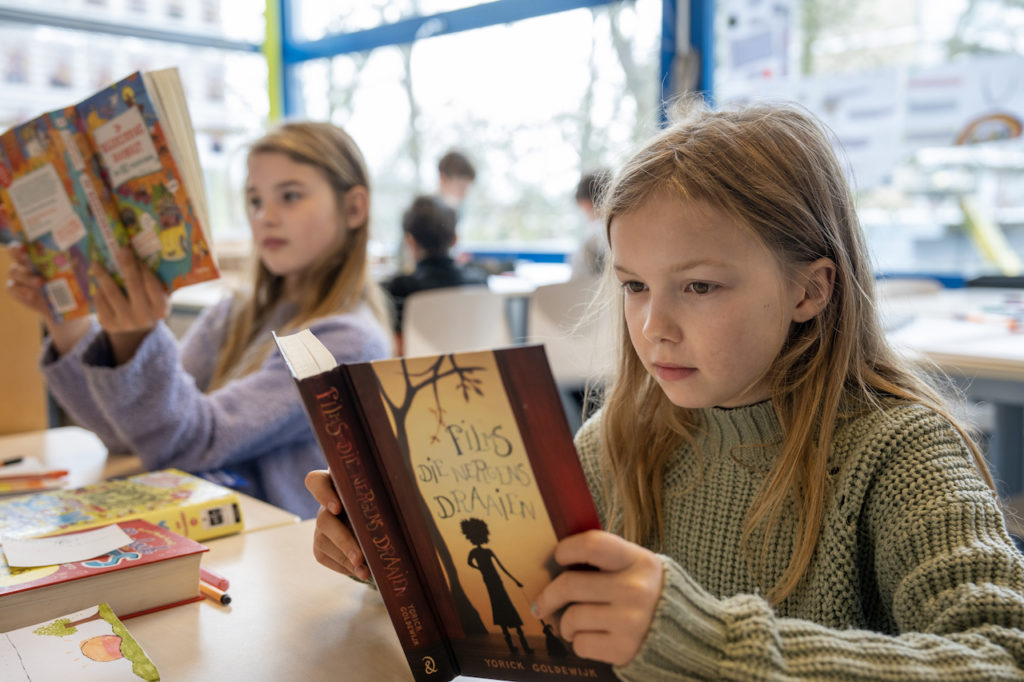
<point x="211" y="592"/>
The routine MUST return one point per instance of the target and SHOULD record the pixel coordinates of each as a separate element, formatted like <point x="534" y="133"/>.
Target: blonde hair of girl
<point x="338" y="282"/>
<point x="773" y="168"/>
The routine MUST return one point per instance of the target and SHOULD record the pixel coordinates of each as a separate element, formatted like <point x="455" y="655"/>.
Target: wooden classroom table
<point x="290" y="618"/>
<point x="966" y="334"/>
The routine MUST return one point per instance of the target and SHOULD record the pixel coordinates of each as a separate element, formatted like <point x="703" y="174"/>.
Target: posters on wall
<point x="883" y="117"/>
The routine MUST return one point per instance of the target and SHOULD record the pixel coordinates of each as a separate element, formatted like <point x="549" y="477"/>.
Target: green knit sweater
<point x="914" y="576"/>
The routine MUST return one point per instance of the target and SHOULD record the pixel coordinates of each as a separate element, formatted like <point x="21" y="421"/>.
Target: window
<point x="534" y="103"/>
<point x="314" y="21"/>
<point x="927" y="100"/>
<point x="64" y="50"/>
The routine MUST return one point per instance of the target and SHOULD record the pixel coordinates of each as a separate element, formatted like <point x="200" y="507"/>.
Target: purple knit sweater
<point x="156" y="407"/>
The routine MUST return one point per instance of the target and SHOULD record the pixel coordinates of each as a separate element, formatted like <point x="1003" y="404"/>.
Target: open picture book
<point x="118" y="168"/>
<point x="88" y="645"/>
<point x="458" y="476"/>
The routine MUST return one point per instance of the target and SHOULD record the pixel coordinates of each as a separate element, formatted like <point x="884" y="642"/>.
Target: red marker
<point x="34" y="475"/>
<point x="213" y="578"/>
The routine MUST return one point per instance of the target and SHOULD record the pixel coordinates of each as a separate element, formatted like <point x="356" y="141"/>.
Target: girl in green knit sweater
<point x="783" y="497"/>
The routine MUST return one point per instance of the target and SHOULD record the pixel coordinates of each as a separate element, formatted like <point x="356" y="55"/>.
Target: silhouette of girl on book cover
<point x="483" y="559"/>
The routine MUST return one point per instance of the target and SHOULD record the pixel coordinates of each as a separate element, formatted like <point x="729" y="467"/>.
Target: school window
<point x="927" y="99"/>
<point x="534" y="103"/>
<point x="57" y="52"/>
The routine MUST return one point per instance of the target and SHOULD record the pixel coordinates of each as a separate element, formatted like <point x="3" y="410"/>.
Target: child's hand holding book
<point x="127" y="314"/>
<point x="26" y="286"/>
<point x="334" y="546"/>
<point x="608" y="611"/>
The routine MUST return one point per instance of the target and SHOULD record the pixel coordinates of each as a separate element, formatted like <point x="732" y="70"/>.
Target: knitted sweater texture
<point x="914" y="576"/>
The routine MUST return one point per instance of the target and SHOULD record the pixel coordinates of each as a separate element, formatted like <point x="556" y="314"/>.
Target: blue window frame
<point x="698" y="16"/>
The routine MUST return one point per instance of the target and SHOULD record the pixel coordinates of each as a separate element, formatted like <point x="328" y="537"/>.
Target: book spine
<point x="415" y="518"/>
<point x="372" y="517"/>
<point x="197" y="521"/>
<point x="200" y="521"/>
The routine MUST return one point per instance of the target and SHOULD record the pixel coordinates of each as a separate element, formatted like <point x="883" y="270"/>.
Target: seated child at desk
<point x="223" y="398"/>
<point x="784" y="498"/>
<point x="428" y="226"/>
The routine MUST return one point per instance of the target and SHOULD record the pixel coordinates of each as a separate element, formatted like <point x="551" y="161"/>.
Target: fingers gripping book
<point x="458" y="476"/>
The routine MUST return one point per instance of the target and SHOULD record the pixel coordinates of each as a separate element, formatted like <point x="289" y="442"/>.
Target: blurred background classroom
<point x="926" y="100"/>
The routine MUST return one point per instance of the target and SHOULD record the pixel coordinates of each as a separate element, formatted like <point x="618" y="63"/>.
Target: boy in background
<point x="455" y="175"/>
<point x="428" y="226"/>
<point x="588" y="260"/>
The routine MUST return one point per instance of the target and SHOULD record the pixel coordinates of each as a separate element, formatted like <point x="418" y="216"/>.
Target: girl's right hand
<point x="334" y="546"/>
<point x="26" y="287"/>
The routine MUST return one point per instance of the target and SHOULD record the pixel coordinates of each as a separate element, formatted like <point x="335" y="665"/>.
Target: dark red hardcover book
<point x="475" y="455"/>
<point x="333" y="412"/>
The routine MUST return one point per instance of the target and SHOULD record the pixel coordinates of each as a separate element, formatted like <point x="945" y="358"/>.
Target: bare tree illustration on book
<point x="476" y="460"/>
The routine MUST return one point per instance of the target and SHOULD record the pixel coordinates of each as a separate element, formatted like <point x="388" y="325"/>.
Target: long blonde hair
<point x="773" y="168"/>
<point x="337" y="282"/>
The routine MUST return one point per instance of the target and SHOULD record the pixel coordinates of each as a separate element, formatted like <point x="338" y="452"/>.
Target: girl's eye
<point x="254" y="202"/>
<point x="633" y="287"/>
<point x="291" y="196"/>
<point x="701" y="288"/>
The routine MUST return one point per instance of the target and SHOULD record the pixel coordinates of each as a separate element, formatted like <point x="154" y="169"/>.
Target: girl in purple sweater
<point x="223" y="399"/>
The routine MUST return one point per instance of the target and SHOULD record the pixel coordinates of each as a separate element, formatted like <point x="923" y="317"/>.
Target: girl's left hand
<point x="609" y="611"/>
<point x="128" y="315"/>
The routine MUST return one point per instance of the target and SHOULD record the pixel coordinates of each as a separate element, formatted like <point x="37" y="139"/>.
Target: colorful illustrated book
<point x="458" y="476"/>
<point x="90" y="645"/>
<point x="186" y="504"/>
<point x="121" y="167"/>
<point x="157" y="570"/>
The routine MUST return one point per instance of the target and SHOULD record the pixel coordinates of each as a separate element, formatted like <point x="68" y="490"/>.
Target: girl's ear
<point x="356" y="209"/>
<point x="818" y="278"/>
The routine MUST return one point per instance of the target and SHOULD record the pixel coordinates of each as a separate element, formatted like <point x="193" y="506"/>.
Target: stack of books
<point x="156" y="569"/>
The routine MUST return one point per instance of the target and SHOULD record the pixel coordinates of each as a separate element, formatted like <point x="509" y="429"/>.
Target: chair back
<point x="454" y="319"/>
<point x="578" y="346"/>
<point x="23" y="402"/>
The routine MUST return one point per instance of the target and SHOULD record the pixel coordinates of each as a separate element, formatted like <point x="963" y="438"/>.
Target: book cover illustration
<point x="149" y="543"/>
<point x="138" y="164"/>
<point x="484" y="452"/>
<point x="6" y="229"/>
<point x="186" y="504"/>
<point x="44" y="179"/>
<point x="91" y="644"/>
<point x="81" y="181"/>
